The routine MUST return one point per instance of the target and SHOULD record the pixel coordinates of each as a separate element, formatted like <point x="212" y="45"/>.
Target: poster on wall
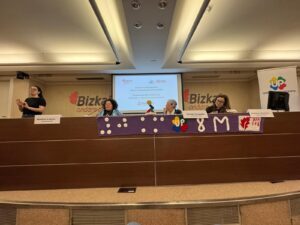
<point x="279" y="79"/>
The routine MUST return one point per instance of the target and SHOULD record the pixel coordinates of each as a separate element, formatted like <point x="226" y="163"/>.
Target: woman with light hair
<point x="170" y="108"/>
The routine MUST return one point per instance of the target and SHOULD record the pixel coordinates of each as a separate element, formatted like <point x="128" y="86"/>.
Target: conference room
<point x="63" y="162"/>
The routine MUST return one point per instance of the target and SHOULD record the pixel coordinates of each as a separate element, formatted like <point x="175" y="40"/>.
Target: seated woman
<point x="170" y="108"/>
<point x="110" y="108"/>
<point x="34" y="105"/>
<point x="220" y="104"/>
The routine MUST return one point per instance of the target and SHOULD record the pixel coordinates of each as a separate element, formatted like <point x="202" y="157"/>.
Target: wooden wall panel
<point x="76" y="151"/>
<point x="72" y="155"/>
<point x="70" y="128"/>
<point x="219" y="171"/>
<point x="272" y="213"/>
<point x="226" y="146"/>
<point x="79" y="176"/>
<point x="284" y="122"/>
<point x="37" y="216"/>
<point x="157" y="216"/>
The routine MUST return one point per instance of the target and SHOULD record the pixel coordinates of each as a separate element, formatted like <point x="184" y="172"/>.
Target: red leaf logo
<point x="184" y="127"/>
<point x="245" y="122"/>
<point x="73" y="97"/>
<point x="186" y="95"/>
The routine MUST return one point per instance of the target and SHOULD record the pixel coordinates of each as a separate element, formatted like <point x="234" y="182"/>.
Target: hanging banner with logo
<point x="175" y="124"/>
<point x="279" y="79"/>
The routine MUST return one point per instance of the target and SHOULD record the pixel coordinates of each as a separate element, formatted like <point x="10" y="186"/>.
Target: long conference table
<point x="72" y="155"/>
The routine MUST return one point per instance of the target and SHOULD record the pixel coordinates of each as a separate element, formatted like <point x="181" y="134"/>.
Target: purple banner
<point x="176" y="124"/>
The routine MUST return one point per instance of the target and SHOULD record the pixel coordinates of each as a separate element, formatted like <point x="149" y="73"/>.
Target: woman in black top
<point x="34" y="105"/>
<point x="220" y="104"/>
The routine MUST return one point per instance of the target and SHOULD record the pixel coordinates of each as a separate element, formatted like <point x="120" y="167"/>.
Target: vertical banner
<point x="279" y="79"/>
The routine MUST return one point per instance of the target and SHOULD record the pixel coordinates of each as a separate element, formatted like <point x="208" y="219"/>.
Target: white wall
<point x="20" y="89"/>
<point x="242" y="94"/>
<point x="4" y="98"/>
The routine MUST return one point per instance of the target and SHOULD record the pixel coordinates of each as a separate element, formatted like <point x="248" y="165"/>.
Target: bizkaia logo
<point x="81" y="100"/>
<point x="277" y="83"/>
<point x="196" y="98"/>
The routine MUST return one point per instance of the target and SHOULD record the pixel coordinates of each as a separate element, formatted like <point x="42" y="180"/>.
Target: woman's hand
<point x="19" y="102"/>
<point x="25" y="105"/>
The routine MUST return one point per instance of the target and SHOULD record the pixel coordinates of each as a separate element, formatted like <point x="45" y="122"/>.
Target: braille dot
<point x="155" y="130"/>
<point x="124" y="120"/>
<point x="162" y="119"/>
<point x="106" y="119"/>
<point x="143" y="130"/>
<point x="154" y="118"/>
<point x="119" y="125"/>
<point x="108" y="125"/>
<point x="125" y="125"/>
<point x="102" y="132"/>
<point x="142" y="118"/>
<point x="108" y="131"/>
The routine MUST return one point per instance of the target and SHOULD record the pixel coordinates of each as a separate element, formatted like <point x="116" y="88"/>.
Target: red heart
<point x="184" y="127"/>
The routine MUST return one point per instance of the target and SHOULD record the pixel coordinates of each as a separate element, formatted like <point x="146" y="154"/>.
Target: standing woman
<point x="34" y="105"/>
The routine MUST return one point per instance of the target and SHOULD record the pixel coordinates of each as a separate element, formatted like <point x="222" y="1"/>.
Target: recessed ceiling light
<point x="160" y="26"/>
<point x="136" y="4"/>
<point x="138" y="25"/>
<point x="209" y="8"/>
<point x="162" y="4"/>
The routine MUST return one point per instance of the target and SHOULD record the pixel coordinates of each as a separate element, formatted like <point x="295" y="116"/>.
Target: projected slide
<point x="133" y="91"/>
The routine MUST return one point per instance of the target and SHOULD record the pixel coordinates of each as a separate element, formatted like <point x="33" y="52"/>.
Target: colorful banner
<point x="279" y="79"/>
<point x="174" y="124"/>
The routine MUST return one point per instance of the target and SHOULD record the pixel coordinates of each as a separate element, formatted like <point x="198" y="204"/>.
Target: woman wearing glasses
<point x="220" y="104"/>
<point x="170" y="108"/>
<point x="34" y="105"/>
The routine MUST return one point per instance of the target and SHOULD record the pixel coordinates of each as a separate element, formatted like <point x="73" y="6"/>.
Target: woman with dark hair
<point x="220" y="104"/>
<point x="34" y="105"/>
<point x="110" y="108"/>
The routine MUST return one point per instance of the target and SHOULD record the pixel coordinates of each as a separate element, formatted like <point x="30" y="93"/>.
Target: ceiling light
<point x="209" y="8"/>
<point x="162" y="4"/>
<point x="136" y="4"/>
<point x="160" y="26"/>
<point x="138" y="26"/>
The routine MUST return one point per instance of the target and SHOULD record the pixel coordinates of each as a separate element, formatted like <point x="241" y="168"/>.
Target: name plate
<point x="194" y="114"/>
<point x="260" y="113"/>
<point x="47" y="119"/>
